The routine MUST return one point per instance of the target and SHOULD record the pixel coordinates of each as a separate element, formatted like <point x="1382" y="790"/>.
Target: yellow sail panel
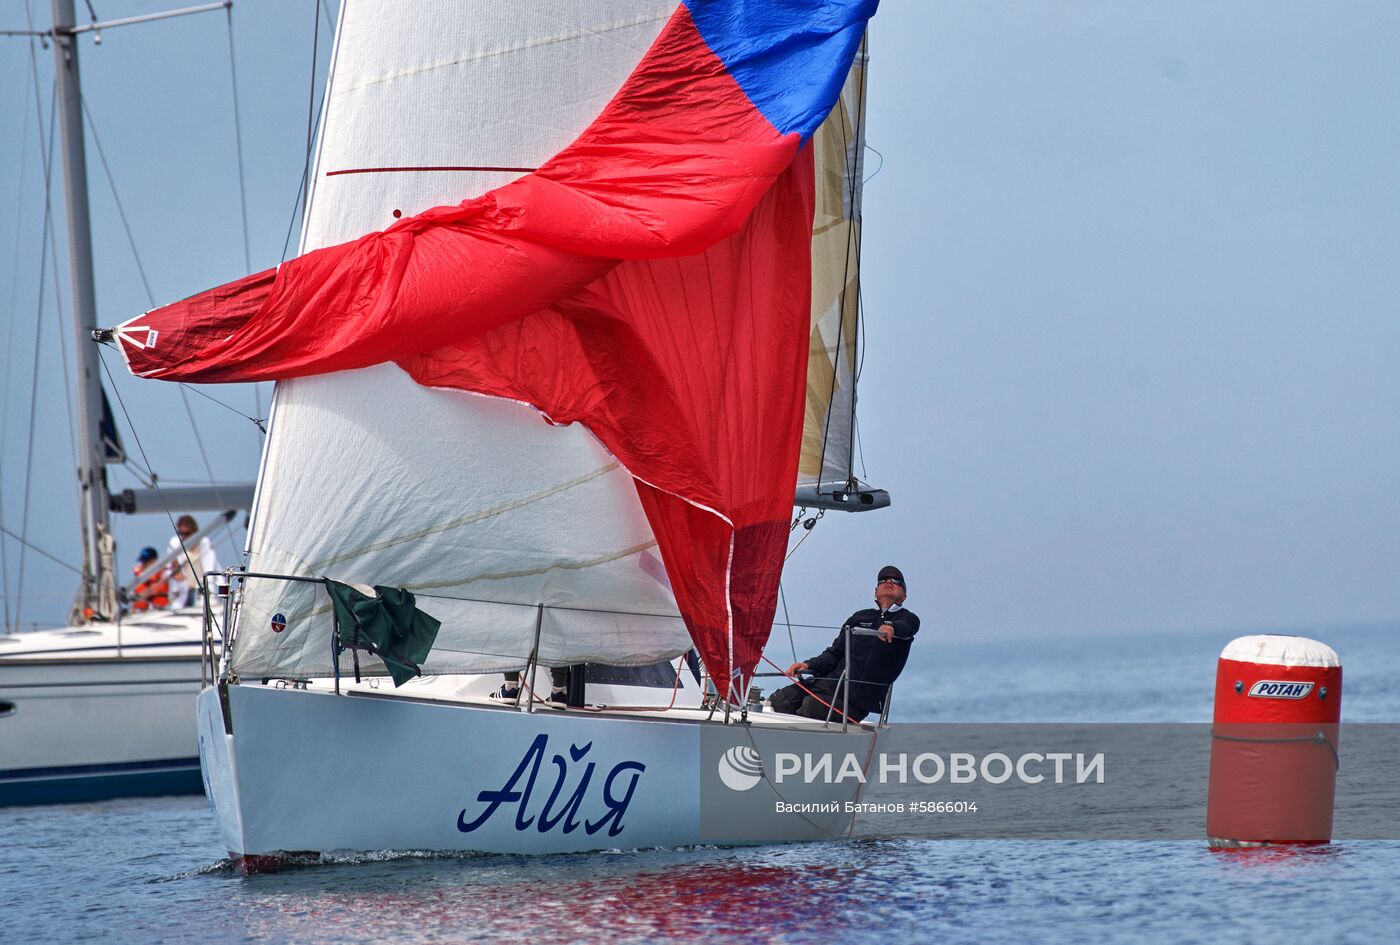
<point x="839" y="146"/>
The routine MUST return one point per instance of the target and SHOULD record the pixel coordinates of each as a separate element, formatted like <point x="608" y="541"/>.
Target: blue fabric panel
<point x="789" y="56"/>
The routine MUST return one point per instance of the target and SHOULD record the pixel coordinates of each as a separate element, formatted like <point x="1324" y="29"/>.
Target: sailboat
<point x="572" y="328"/>
<point x="101" y="708"/>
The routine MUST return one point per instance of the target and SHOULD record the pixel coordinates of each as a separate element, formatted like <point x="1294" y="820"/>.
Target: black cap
<point x="890" y="571"/>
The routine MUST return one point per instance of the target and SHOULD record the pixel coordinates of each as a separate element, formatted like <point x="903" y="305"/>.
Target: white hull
<point x="92" y="713"/>
<point x="308" y="771"/>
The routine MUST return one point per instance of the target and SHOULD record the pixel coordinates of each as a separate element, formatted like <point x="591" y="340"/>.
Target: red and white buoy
<point x="1274" y="745"/>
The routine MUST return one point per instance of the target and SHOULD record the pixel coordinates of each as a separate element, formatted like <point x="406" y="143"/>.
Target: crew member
<point x="191" y="563"/>
<point x="876" y="660"/>
<point x="155" y="590"/>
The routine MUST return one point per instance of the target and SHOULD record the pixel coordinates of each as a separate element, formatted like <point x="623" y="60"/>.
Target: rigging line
<point x="860" y="306"/>
<point x="291" y="223"/>
<point x="301" y="193"/>
<point x="859" y="354"/>
<point x="315" y="50"/>
<point x="143" y="476"/>
<point x="798" y="683"/>
<point x="116" y="197"/>
<point x="860" y="447"/>
<point x="39" y="551"/>
<point x="196" y="390"/>
<point x="34" y="379"/>
<point x="29" y="87"/>
<point x="878" y="169"/>
<point x="805" y="535"/>
<point x="242" y="177"/>
<point x="172" y="481"/>
<point x="112" y="382"/>
<point x="19" y="226"/>
<point x="60" y="324"/>
<point x="787" y="621"/>
<point x="203" y="455"/>
<point x="257" y="409"/>
<point x="311" y="122"/>
<point x="131" y="241"/>
<point x="859" y="370"/>
<point x="818" y="827"/>
<point x="33" y="401"/>
<point x="60" y="321"/>
<point x="817" y="626"/>
<point x="238" y="142"/>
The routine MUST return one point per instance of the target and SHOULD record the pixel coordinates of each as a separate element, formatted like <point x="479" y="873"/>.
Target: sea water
<point x="153" y="870"/>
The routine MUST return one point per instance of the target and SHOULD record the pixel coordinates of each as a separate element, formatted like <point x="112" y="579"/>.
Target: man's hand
<point x="796" y="668"/>
<point x="886" y="632"/>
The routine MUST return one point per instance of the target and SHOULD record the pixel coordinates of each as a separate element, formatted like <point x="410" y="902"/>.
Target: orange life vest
<point x="153" y="592"/>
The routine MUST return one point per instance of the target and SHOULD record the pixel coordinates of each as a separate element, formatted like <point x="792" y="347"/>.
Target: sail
<point x="485" y="511"/>
<point x="827" y="425"/>
<point x="646" y="291"/>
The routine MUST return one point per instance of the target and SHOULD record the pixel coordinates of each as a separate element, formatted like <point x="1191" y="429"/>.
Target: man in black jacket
<point x="876" y="660"/>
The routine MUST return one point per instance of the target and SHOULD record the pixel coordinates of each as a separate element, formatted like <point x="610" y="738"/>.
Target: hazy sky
<point x="1130" y="278"/>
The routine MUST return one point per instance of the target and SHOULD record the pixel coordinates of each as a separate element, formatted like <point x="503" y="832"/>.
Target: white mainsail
<point x="475" y="504"/>
<point x="503" y="525"/>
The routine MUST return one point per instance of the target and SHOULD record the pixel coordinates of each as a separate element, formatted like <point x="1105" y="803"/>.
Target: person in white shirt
<point x="188" y="569"/>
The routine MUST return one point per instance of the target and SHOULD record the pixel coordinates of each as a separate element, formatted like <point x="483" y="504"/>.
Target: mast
<point x="91" y="472"/>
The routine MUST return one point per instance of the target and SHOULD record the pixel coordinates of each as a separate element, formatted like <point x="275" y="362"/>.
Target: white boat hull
<point x="292" y="771"/>
<point x="82" y="719"/>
